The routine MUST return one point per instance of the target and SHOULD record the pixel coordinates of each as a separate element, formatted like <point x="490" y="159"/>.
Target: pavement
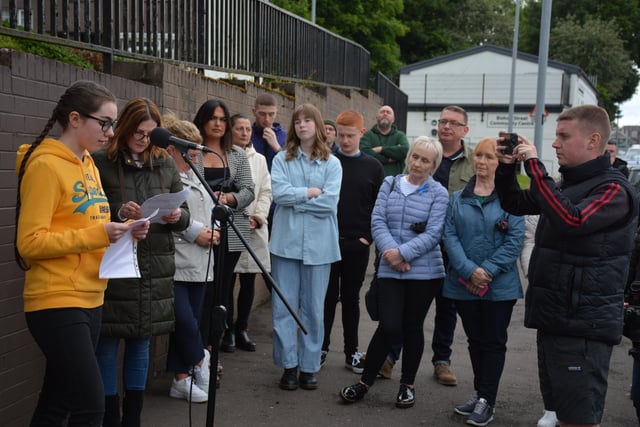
<point x="249" y="393"/>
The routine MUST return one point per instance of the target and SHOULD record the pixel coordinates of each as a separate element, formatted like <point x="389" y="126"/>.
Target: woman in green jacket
<point x="132" y="171"/>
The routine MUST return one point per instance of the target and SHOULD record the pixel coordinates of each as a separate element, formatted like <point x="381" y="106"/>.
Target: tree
<point x="625" y="12"/>
<point x="439" y="27"/>
<point x="374" y="24"/>
<point x="596" y="48"/>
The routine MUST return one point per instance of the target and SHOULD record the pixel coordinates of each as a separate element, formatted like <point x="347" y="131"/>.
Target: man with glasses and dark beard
<point x="386" y="143"/>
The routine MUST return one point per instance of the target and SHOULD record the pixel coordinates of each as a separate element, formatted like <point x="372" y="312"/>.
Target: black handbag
<point x="371" y="300"/>
<point x="226" y="185"/>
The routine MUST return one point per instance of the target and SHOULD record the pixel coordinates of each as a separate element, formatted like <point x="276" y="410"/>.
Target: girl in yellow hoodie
<point x="63" y="229"/>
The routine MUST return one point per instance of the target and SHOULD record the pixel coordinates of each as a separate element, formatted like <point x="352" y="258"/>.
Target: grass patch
<point x="76" y="57"/>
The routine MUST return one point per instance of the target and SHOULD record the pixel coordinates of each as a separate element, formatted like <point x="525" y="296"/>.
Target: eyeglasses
<point x="453" y="123"/>
<point x="105" y="125"/>
<point x="139" y="135"/>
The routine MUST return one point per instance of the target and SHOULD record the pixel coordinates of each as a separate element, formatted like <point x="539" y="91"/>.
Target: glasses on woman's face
<point x="140" y="135"/>
<point x="105" y="125"/>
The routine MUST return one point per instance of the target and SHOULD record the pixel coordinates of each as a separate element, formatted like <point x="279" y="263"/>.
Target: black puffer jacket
<point x="584" y="239"/>
<point x="138" y="308"/>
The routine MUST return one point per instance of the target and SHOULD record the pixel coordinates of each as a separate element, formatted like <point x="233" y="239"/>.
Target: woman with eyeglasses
<point x="228" y="172"/>
<point x="62" y="231"/>
<point x="133" y="170"/>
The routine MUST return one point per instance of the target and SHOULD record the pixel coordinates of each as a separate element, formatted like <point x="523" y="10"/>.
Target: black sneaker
<point x="355" y="362"/>
<point x="323" y="357"/>
<point x="406" y="397"/>
<point x="482" y="414"/>
<point x="467" y="407"/>
<point x="354" y="392"/>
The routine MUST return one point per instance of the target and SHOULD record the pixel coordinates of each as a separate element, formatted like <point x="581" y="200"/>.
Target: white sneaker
<point x="549" y="419"/>
<point x="201" y="374"/>
<point x="184" y="388"/>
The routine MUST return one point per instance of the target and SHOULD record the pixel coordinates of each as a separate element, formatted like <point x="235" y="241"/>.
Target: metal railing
<point x="394" y="97"/>
<point x="236" y="36"/>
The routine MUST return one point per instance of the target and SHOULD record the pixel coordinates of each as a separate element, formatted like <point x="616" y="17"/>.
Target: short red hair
<point x="350" y="118"/>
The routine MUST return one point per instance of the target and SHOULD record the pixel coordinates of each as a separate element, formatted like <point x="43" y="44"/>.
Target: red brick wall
<point x="29" y="89"/>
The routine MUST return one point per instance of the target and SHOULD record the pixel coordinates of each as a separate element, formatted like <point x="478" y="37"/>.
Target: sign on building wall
<point x="501" y="120"/>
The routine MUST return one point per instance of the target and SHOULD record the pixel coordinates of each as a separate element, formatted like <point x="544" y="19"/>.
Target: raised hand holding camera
<point x="514" y="147"/>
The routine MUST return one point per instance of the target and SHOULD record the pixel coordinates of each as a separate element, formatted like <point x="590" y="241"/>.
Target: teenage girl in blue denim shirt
<point x="306" y="181"/>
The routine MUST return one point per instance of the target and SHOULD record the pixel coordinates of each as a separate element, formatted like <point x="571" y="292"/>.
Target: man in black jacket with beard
<point x="579" y="264"/>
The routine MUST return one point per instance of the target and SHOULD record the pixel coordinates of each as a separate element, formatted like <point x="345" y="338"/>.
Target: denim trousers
<point x="136" y="363"/>
<point x="345" y="282"/>
<point x="304" y="287"/>
<point x="72" y="386"/>
<point x="486" y="323"/>
<point x="185" y="342"/>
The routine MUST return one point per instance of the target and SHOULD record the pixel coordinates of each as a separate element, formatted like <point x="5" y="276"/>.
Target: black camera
<point x="509" y="141"/>
<point x="418" y="227"/>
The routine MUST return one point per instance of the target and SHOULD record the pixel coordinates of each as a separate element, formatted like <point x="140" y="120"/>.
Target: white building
<point x="478" y="80"/>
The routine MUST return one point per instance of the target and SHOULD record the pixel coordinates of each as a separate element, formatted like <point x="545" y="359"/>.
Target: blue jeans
<point x="486" y="323"/>
<point x="185" y="342"/>
<point x="136" y="363"/>
<point x="304" y="287"/>
<point x="72" y="385"/>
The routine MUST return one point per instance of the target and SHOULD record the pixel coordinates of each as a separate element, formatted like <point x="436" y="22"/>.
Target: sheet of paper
<point x="164" y="203"/>
<point x="120" y="261"/>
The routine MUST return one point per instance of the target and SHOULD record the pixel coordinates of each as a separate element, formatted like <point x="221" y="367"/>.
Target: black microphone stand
<point x="218" y="313"/>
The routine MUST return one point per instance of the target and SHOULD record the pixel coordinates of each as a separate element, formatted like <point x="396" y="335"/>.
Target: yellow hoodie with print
<point x="61" y="232"/>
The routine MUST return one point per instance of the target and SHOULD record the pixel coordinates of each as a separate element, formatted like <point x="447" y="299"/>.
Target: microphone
<point x="161" y="137"/>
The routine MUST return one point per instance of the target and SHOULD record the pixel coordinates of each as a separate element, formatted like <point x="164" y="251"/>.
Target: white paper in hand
<point x="163" y="204"/>
<point x="120" y="261"/>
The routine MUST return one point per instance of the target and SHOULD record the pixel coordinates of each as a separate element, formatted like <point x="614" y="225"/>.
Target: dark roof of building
<point x="573" y="69"/>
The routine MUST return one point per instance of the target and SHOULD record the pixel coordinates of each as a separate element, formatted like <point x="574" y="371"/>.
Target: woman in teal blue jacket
<point x="483" y="243"/>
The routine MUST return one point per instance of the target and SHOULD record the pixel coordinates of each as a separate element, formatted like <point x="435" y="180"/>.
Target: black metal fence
<point x="395" y="98"/>
<point x="235" y="36"/>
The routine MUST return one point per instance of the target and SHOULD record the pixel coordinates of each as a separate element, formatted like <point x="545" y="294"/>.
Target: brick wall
<point x="29" y="89"/>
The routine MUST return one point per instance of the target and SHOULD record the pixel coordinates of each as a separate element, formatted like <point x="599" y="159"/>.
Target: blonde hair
<point x="182" y="129"/>
<point x="429" y="143"/>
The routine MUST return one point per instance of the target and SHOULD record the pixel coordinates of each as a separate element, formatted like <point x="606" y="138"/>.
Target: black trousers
<point x="345" y="282"/>
<point x="72" y="385"/>
<point x="404" y="306"/>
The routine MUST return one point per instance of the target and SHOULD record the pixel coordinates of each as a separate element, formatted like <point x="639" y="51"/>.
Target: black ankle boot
<point x="289" y="380"/>
<point x="132" y="408"/>
<point x="111" y="411"/>
<point x="228" y="342"/>
<point x="244" y="342"/>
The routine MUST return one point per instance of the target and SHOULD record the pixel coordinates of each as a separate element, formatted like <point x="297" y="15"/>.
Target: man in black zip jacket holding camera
<point x="580" y="261"/>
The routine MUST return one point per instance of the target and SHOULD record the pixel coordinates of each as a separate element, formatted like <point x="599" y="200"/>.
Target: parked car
<point x="634" y="177"/>
<point x="632" y="156"/>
